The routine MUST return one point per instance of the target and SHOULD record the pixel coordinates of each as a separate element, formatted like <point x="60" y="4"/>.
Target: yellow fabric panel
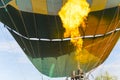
<point x="13" y="3"/>
<point x="98" y="5"/>
<point x="39" y="6"/>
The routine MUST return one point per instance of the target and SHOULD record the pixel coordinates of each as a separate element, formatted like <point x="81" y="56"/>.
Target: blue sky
<point x="14" y="65"/>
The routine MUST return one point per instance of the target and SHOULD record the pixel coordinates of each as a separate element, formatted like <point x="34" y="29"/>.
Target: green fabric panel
<point x="112" y="3"/>
<point x="24" y="5"/>
<point x="61" y="66"/>
<point x="54" y="6"/>
<point x="51" y="70"/>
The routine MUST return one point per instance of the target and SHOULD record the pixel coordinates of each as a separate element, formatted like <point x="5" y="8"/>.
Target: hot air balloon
<point x="38" y="30"/>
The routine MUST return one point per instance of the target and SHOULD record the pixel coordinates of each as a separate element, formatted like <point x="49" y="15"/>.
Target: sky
<point x="14" y="64"/>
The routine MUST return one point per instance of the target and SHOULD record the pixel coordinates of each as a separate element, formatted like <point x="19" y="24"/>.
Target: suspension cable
<point x="25" y="27"/>
<point x="109" y="40"/>
<point x="94" y="36"/>
<point x="15" y="27"/>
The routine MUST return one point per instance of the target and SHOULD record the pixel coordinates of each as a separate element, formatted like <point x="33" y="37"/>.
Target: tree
<point x="106" y="76"/>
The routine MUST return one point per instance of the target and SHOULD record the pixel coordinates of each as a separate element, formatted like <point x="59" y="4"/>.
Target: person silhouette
<point x="73" y="75"/>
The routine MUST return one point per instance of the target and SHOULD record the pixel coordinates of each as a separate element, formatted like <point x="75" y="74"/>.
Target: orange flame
<point x="73" y="14"/>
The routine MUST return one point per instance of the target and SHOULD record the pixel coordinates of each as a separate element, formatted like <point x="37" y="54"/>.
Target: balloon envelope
<point x="38" y="30"/>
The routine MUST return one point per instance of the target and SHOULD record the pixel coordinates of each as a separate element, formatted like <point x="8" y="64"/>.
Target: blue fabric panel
<point x="1" y="4"/>
<point x="4" y="2"/>
<point x="112" y="3"/>
<point x="89" y="1"/>
<point x="24" y="5"/>
<point x="54" y="6"/>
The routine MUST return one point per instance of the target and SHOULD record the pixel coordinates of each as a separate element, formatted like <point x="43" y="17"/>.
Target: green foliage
<point x="106" y="76"/>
